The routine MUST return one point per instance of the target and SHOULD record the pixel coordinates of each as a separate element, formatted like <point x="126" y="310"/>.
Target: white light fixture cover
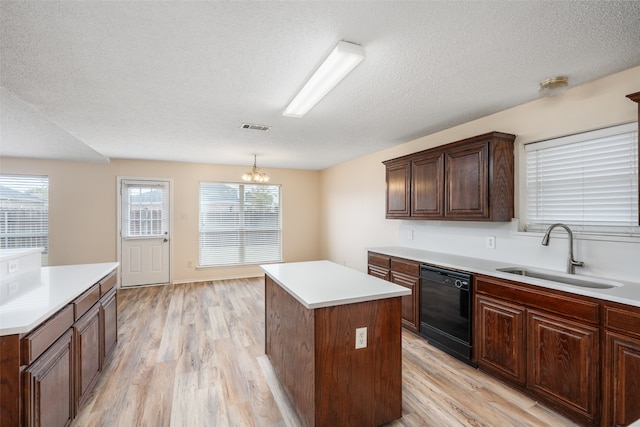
<point x="554" y="86"/>
<point x="340" y="62"/>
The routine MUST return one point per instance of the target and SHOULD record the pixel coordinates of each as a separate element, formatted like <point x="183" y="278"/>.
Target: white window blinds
<point x="588" y="181"/>
<point x="145" y="208"/>
<point x="24" y="213"/>
<point x="239" y="224"/>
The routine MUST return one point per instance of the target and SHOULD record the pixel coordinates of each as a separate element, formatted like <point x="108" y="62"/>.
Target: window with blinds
<point x="24" y="213"/>
<point x="145" y="209"/>
<point x="588" y="181"/>
<point x="239" y="224"/>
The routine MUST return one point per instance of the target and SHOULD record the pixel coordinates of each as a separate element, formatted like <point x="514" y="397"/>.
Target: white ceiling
<point x="174" y="80"/>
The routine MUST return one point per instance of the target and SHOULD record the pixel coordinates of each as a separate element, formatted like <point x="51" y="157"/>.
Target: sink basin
<point x="567" y="279"/>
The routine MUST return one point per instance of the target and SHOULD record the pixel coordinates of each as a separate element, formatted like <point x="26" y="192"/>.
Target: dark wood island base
<point x="329" y="382"/>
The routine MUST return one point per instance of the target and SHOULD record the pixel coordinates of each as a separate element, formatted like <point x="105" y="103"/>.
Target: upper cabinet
<point x="471" y="179"/>
<point x="398" y="175"/>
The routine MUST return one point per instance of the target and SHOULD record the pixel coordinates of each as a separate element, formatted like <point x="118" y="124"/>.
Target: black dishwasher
<point x="445" y="310"/>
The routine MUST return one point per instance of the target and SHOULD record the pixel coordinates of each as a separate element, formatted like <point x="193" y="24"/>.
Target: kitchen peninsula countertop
<point x="317" y="284"/>
<point x="629" y="293"/>
<point x="39" y="296"/>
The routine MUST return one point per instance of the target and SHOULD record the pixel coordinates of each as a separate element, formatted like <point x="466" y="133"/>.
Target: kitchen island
<point x="58" y="329"/>
<point x="333" y="337"/>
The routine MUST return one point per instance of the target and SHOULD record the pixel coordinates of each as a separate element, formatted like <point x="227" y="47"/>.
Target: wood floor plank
<point x="193" y="355"/>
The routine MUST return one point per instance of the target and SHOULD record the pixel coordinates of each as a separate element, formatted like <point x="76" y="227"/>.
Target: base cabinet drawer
<point x="48" y="386"/>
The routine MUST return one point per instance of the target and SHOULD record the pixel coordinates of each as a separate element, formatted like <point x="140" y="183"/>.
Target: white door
<point x="145" y="250"/>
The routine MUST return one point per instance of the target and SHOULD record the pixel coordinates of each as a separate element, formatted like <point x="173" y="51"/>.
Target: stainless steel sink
<point x="567" y="279"/>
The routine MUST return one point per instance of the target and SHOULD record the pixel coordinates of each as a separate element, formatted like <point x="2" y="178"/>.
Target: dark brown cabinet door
<point x="398" y="176"/>
<point x="48" y="386"/>
<point x="88" y="360"/>
<point x="563" y="364"/>
<point x="622" y="381"/>
<point x="410" y="307"/>
<point x="406" y="273"/>
<point x="109" y="317"/>
<point x="466" y="181"/>
<point x="427" y="186"/>
<point x="501" y="343"/>
<point x="402" y="272"/>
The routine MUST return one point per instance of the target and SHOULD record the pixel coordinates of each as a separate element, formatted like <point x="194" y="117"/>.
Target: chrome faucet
<point x="572" y="263"/>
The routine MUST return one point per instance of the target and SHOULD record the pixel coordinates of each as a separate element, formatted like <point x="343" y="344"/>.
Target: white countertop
<point x="317" y="284"/>
<point x="629" y="293"/>
<point x="37" y="298"/>
<point x="8" y="254"/>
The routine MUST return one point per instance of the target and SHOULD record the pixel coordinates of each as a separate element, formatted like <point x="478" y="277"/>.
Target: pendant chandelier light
<point x="255" y="175"/>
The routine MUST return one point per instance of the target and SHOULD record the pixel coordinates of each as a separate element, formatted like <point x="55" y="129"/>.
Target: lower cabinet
<point x="563" y="364"/>
<point x="88" y="352"/>
<point x="545" y="342"/>
<point x="379" y="266"/>
<point x="405" y="273"/>
<point x="622" y="385"/>
<point x="578" y="355"/>
<point x="48" y="388"/>
<point x="621" y="364"/>
<point x="109" y="324"/>
<point x="47" y="374"/>
<point x="500" y="342"/>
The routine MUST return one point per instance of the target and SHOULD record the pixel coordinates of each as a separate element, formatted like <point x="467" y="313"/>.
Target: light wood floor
<point x="193" y="355"/>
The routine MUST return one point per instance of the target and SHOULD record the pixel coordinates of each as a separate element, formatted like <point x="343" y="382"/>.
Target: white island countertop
<point x="37" y="298"/>
<point x="317" y="284"/>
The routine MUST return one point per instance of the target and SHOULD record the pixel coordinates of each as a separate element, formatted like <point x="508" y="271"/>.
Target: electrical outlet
<point x="189" y="264"/>
<point x="361" y="338"/>
<point x="12" y="267"/>
<point x="410" y="235"/>
<point x="13" y="288"/>
<point x="491" y="242"/>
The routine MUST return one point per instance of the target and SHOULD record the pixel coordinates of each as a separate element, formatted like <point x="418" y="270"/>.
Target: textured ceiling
<point x="175" y="80"/>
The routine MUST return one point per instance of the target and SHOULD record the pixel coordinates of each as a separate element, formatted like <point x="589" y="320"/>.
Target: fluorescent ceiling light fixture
<point x="340" y="62"/>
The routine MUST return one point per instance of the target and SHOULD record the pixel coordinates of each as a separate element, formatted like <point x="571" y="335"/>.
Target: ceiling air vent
<point x="263" y="128"/>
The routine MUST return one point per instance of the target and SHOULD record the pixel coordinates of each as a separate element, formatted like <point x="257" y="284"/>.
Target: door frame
<point x="119" y="223"/>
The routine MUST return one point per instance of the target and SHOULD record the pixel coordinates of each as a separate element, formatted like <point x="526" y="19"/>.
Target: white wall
<point x="353" y="196"/>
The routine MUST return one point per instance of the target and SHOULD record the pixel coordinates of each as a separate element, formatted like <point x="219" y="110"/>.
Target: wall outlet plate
<point x="491" y="242"/>
<point x="12" y="266"/>
<point x="361" y="338"/>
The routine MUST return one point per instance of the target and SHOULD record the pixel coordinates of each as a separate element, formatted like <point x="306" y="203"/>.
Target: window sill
<point x="580" y="236"/>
